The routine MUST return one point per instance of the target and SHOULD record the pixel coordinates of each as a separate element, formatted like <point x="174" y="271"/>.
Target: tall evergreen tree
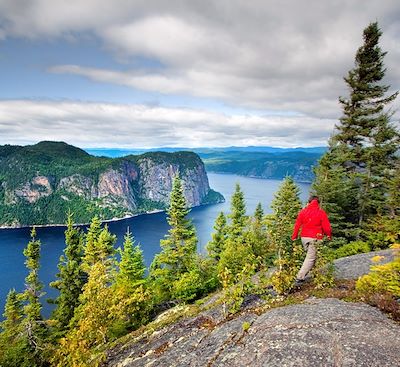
<point x="93" y="318"/>
<point x="131" y="265"/>
<point x="238" y="212"/>
<point x="286" y="206"/>
<point x="237" y="252"/>
<point x="33" y="322"/>
<point x="218" y="238"/>
<point x="178" y="249"/>
<point x="71" y="276"/>
<point x="99" y="244"/>
<point x="14" y="348"/>
<point x="258" y="238"/>
<point x="131" y="296"/>
<point x="363" y="150"/>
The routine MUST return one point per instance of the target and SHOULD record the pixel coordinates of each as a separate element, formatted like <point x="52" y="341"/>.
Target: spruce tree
<point x="176" y="265"/>
<point x="258" y="238"/>
<point x="99" y="244"/>
<point x="237" y="253"/>
<point x="91" y="326"/>
<point x="71" y="276"/>
<point x="286" y="206"/>
<point x="34" y="326"/>
<point x="14" y="348"/>
<point x="131" y="296"/>
<point x="217" y="243"/>
<point x="238" y="213"/>
<point x="363" y="149"/>
<point x="131" y="266"/>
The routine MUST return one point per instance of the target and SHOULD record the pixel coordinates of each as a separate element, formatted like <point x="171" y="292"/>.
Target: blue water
<point x="147" y="230"/>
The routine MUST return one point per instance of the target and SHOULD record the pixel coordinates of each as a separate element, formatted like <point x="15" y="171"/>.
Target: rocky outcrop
<point x="39" y="186"/>
<point x="318" y="332"/>
<point x="155" y="181"/>
<point x="79" y="185"/>
<point x="116" y="186"/>
<point x="352" y="267"/>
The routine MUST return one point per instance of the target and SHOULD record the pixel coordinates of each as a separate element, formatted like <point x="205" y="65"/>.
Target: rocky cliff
<point x="40" y="183"/>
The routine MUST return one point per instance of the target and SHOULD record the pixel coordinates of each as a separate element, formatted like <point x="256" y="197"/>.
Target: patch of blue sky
<point x="25" y="71"/>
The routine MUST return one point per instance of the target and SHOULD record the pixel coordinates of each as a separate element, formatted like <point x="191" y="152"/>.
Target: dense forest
<point x="105" y="293"/>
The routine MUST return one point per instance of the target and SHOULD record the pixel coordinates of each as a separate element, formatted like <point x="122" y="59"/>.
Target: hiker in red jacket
<point x="314" y="224"/>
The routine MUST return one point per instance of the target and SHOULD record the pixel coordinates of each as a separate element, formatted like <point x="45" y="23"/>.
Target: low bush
<point x="352" y="248"/>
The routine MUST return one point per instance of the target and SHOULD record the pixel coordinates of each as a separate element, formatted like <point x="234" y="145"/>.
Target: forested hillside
<point x="39" y="184"/>
<point x="262" y="162"/>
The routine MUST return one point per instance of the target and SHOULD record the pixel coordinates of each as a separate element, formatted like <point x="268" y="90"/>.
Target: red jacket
<point x="313" y="221"/>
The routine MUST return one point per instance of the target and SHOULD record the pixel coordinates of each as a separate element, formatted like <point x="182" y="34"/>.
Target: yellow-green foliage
<point x="323" y="269"/>
<point x="236" y="255"/>
<point x="188" y="286"/>
<point x="382" y="278"/>
<point x="383" y="231"/>
<point x="288" y="265"/>
<point x="91" y="322"/>
<point x="246" y="326"/>
<point x="235" y="287"/>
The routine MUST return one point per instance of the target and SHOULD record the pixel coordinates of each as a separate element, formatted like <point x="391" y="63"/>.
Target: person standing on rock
<point x="314" y="224"/>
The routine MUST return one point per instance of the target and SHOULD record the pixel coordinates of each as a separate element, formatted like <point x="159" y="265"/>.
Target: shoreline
<point x="81" y="224"/>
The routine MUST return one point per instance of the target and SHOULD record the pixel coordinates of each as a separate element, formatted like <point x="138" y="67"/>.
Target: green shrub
<point x="188" y="287"/>
<point x="352" y="248"/>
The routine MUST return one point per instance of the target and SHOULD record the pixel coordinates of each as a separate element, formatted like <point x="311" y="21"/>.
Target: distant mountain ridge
<point x="252" y="161"/>
<point x="120" y="152"/>
<point x="40" y="183"/>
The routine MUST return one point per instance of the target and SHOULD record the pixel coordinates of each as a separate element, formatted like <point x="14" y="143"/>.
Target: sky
<point x="188" y="73"/>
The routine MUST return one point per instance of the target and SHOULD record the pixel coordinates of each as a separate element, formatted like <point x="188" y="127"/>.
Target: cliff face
<point x="155" y="181"/>
<point x="108" y="188"/>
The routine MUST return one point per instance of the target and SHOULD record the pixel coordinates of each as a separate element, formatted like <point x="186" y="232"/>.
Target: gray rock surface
<point x="352" y="267"/>
<point x="320" y="332"/>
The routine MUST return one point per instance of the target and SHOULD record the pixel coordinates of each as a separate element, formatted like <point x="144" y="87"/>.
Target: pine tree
<point x="131" y="265"/>
<point x="258" y="238"/>
<point x="91" y="326"/>
<point x="131" y="296"/>
<point x="92" y="322"/>
<point x="14" y="348"/>
<point x="99" y="244"/>
<point x="71" y="276"/>
<point x="285" y="205"/>
<point x="237" y="253"/>
<point x="363" y="150"/>
<point x="34" y="326"/>
<point x="178" y="250"/>
<point x="217" y="243"/>
<point x="238" y="213"/>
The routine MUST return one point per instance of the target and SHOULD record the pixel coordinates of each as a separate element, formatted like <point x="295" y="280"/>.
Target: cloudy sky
<point x="195" y="73"/>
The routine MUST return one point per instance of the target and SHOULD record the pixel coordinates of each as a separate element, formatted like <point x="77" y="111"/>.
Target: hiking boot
<point x="298" y="283"/>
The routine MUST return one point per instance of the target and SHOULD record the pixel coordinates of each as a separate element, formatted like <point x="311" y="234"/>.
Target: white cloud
<point x="140" y="126"/>
<point x="286" y="56"/>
